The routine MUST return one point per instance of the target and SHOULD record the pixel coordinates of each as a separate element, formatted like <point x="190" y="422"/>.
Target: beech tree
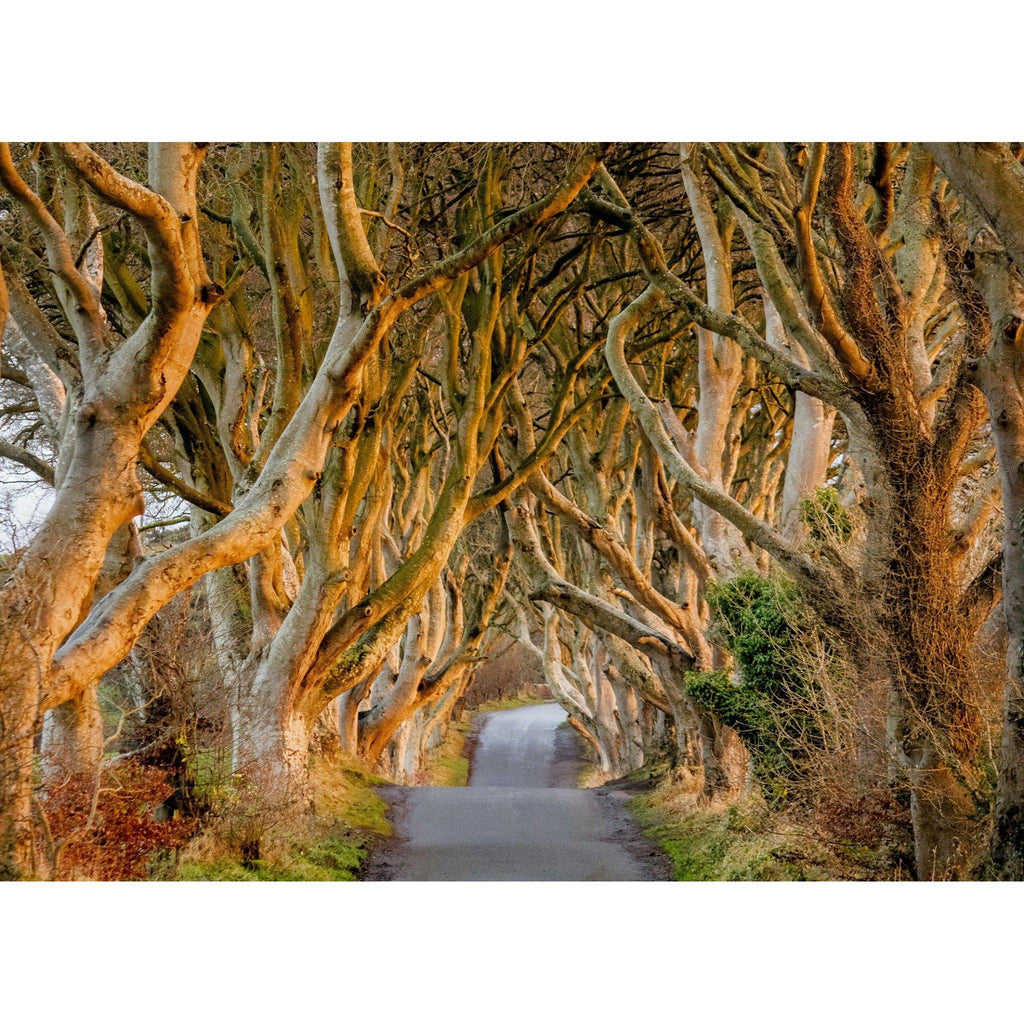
<point x="912" y="597"/>
<point x="991" y="180"/>
<point x="123" y="388"/>
<point x="51" y="656"/>
<point x="407" y="402"/>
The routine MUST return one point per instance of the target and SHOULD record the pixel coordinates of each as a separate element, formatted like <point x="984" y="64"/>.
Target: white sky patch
<point x="24" y="502"/>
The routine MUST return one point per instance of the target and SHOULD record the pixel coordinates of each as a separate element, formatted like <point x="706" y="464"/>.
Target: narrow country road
<point x="520" y="818"/>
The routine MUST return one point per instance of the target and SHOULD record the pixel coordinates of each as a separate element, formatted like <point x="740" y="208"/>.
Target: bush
<point x="775" y="704"/>
<point x="826" y="518"/>
<point x="121" y="839"/>
<point x="322" y="834"/>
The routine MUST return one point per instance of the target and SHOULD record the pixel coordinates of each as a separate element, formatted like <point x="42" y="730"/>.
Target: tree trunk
<point x="1001" y="378"/>
<point x="271" y="741"/>
<point x="21" y="720"/>
<point x="72" y="742"/>
<point x="939" y="809"/>
<point x="809" y="453"/>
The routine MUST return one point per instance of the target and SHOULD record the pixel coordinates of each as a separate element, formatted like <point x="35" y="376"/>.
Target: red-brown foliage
<point x="123" y="834"/>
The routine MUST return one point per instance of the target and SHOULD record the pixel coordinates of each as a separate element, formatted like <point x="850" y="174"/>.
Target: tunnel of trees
<point x="725" y="440"/>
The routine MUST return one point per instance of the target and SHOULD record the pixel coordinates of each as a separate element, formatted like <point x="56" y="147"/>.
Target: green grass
<point x="705" y="847"/>
<point x="752" y="840"/>
<point x="450" y="766"/>
<point x="332" y="860"/>
<point x="731" y="845"/>
<point x="330" y="843"/>
<point x="508" y="704"/>
<point x="589" y="775"/>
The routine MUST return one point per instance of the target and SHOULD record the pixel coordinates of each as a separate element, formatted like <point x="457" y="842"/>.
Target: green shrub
<point x="764" y="624"/>
<point x="826" y="518"/>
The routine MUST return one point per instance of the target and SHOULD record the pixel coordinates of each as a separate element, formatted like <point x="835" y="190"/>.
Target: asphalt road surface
<point x="519" y="819"/>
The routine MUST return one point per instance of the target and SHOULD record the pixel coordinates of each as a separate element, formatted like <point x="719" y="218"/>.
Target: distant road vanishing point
<point x="520" y="818"/>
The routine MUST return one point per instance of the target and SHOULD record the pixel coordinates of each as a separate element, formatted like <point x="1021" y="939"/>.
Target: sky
<point x="24" y="501"/>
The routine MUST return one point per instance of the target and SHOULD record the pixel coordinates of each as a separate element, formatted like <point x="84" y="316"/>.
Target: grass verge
<point x="450" y="764"/>
<point x="327" y="839"/>
<point x="508" y="704"/>
<point x="747" y="842"/>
